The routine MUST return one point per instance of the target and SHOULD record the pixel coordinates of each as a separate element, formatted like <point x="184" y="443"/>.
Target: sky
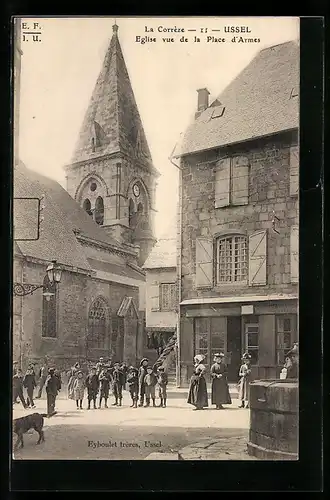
<point x="59" y="73"/>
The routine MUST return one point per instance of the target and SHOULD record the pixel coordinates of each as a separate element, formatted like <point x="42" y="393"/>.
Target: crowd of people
<point x="104" y="378"/>
<point x="49" y="378"/>
<point x="99" y="380"/>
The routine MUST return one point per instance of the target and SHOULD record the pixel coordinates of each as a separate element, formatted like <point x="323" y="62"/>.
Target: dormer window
<point x="218" y="112"/>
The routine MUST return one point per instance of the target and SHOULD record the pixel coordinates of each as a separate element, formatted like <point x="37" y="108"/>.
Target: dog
<point x="24" y="424"/>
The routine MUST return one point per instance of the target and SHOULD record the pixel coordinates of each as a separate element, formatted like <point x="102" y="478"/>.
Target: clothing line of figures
<point x="102" y="378"/>
<point x="220" y="394"/>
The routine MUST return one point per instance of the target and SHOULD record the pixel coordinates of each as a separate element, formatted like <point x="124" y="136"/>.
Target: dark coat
<point x="105" y="379"/>
<point x="17" y="381"/>
<point x="92" y="384"/>
<point x="197" y="395"/>
<point x="52" y="385"/>
<point x="220" y="389"/>
<point x="162" y="379"/>
<point x="29" y="381"/>
<point x="118" y="377"/>
<point x="150" y="379"/>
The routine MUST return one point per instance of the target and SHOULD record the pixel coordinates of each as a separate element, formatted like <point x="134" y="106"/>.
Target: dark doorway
<point x="234" y="346"/>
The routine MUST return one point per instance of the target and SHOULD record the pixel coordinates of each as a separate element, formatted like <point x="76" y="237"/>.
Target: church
<point x="100" y="230"/>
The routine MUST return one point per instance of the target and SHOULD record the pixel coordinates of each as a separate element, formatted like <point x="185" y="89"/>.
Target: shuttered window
<point x="258" y="258"/>
<point x="240" y="181"/>
<point x="294" y="254"/>
<point x="286" y="335"/>
<point x="154" y="296"/>
<point x="222" y="183"/>
<point x="232" y="181"/>
<point x="204" y="262"/>
<point x="231" y="259"/>
<point x="294" y="170"/>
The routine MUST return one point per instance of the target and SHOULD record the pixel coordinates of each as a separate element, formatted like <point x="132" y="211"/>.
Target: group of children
<point x="141" y="383"/>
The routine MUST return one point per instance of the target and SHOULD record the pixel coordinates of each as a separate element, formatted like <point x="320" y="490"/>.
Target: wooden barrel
<point x="274" y="408"/>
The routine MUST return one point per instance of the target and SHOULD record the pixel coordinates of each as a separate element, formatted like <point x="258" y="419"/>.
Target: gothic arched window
<point x="49" y="316"/>
<point x="132" y="214"/>
<point x="140" y="208"/>
<point x="99" y="211"/>
<point x="87" y="206"/>
<point x="98" y="324"/>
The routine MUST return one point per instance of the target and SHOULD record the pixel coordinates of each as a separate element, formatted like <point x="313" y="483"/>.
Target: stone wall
<point x="269" y="190"/>
<point x="75" y="295"/>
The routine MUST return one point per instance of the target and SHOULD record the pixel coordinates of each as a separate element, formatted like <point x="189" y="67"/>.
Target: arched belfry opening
<point x="87" y="207"/>
<point x="99" y="211"/>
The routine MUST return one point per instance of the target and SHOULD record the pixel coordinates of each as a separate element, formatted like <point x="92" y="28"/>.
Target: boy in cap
<point x="162" y="380"/>
<point x="29" y="382"/>
<point x="92" y="384"/>
<point x="133" y="384"/>
<point x="118" y="382"/>
<point x="51" y="391"/>
<point x="18" y="387"/>
<point x="150" y="381"/>
<point x="104" y="379"/>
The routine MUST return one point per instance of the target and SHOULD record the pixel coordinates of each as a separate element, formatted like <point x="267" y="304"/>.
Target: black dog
<point x="24" y="424"/>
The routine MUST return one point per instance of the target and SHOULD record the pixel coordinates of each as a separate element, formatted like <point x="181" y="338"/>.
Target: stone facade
<point x="75" y="296"/>
<point x="270" y="210"/>
<point x="269" y="193"/>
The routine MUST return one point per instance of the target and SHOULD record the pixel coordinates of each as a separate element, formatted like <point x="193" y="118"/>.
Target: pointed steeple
<point x="112" y="122"/>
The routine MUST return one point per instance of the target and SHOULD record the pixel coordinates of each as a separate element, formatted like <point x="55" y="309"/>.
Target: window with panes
<point x="167" y="296"/>
<point x="251" y="329"/>
<point x="286" y="335"/>
<point x="210" y="337"/>
<point x="231" y="259"/>
<point x="97" y="324"/>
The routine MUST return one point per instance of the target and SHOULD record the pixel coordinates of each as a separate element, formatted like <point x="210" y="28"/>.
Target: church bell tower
<point x="111" y="174"/>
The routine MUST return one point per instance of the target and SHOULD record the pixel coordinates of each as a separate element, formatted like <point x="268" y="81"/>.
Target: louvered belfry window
<point x="232" y="259"/>
<point x="97" y="324"/>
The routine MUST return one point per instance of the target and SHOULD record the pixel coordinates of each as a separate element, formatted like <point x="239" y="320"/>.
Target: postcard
<point x="156" y="238"/>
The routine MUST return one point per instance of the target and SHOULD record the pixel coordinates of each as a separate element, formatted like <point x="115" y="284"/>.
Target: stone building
<point x="98" y="307"/>
<point x="100" y="232"/>
<point x="238" y="219"/>
<point x="161" y="294"/>
<point x="111" y="174"/>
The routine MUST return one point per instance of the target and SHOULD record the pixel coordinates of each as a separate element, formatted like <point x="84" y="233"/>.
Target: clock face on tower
<point x="136" y="190"/>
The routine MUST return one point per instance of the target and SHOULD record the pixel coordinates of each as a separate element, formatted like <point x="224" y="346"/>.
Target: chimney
<point x="202" y="101"/>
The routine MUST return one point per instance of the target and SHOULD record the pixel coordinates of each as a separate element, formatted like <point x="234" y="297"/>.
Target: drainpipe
<point x="179" y="271"/>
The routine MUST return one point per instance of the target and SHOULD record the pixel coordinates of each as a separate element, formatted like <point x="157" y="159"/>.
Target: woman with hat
<point x="244" y="382"/>
<point x="72" y="377"/>
<point x="220" y="389"/>
<point x="197" y="390"/>
<point x="291" y="362"/>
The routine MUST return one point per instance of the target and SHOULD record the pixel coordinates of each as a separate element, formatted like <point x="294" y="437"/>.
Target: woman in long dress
<point x="244" y="383"/>
<point x="220" y="388"/>
<point x="72" y="377"/>
<point x="198" y="391"/>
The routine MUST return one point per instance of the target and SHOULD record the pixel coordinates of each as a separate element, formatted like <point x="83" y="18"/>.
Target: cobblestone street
<point x="124" y="433"/>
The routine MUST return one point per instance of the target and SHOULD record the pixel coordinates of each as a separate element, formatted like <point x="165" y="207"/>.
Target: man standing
<point x="43" y="378"/>
<point x="142" y="374"/>
<point x="52" y="386"/>
<point x="18" y="387"/>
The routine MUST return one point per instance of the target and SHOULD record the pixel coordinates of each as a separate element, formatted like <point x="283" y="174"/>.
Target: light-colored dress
<point x="244" y="383"/>
<point x="79" y="388"/>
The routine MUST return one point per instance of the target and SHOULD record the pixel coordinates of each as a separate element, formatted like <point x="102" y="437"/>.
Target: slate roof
<point x="262" y="100"/>
<point x="62" y="216"/>
<point x="164" y="253"/>
<point x="112" y="116"/>
<point x="109" y="267"/>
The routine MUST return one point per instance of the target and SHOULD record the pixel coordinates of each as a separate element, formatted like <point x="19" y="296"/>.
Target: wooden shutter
<point x="294" y="170"/>
<point x="258" y="258"/>
<point x="294" y="254"/>
<point x="154" y="296"/>
<point x="204" y="263"/>
<point x="222" y="183"/>
<point x="240" y="180"/>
